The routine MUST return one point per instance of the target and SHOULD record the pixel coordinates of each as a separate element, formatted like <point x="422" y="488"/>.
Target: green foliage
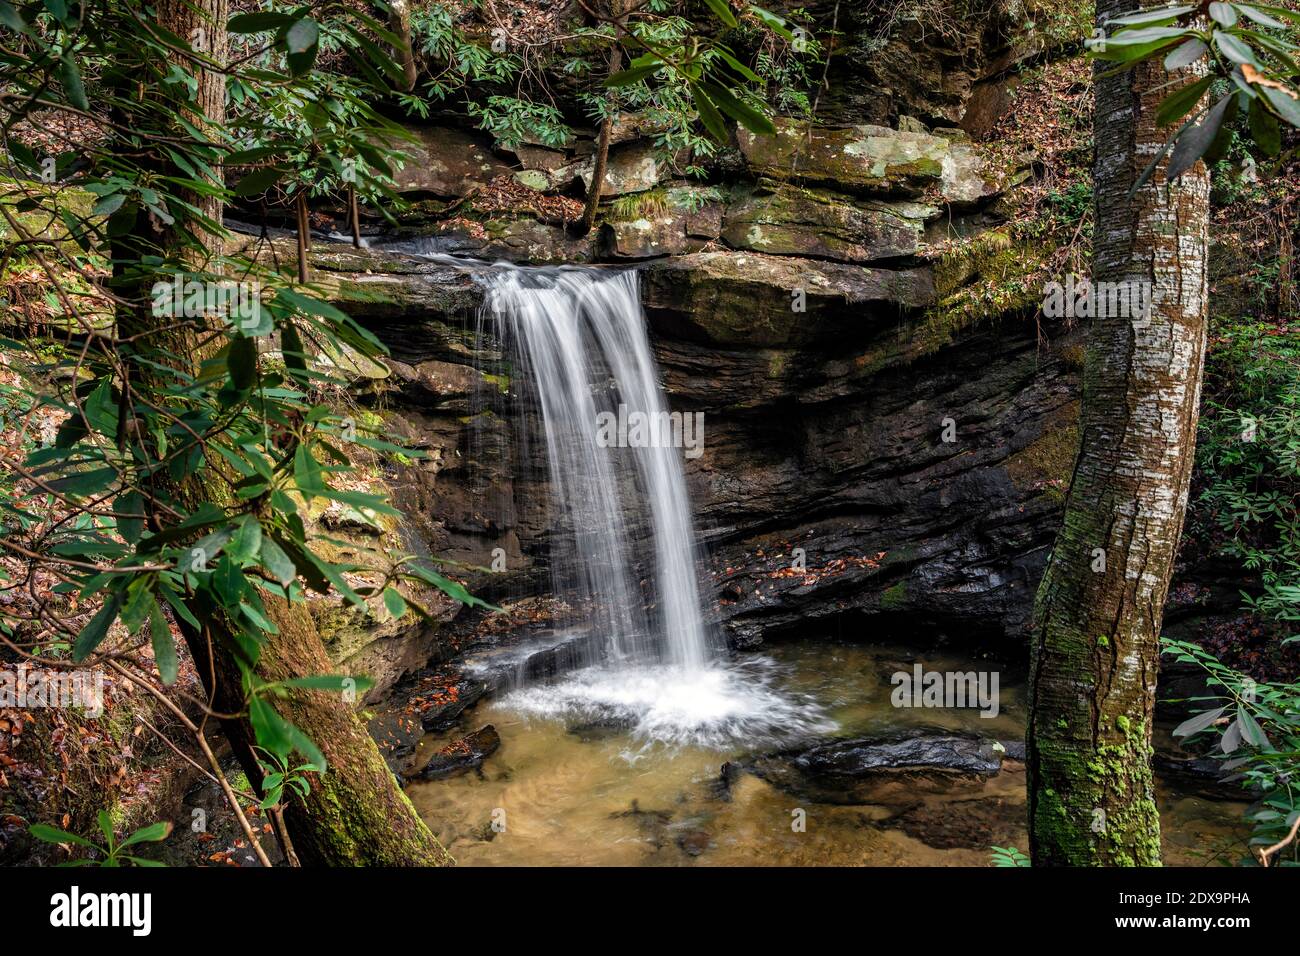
<point x="111" y="851"/>
<point x="1073" y="205"/>
<point x="478" y="72"/>
<point x="174" y="487"/>
<point x="682" y="81"/>
<point x="1249" y="458"/>
<point x="278" y="774"/>
<point x="1249" y="51"/>
<point x="678" y="68"/>
<point x="513" y="121"/>
<point x="1008" y="856"/>
<point x="1254" y="729"/>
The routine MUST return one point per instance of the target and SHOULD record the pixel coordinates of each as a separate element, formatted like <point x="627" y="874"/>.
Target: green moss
<point x="39" y="222"/>
<point x="979" y="279"/>
<point x="1073" y="357"/>
<point x="500" y="382"/>
<point x="1046" y="464"/>
<point x="1114" y="777"/>
<point x="895" y="596"/>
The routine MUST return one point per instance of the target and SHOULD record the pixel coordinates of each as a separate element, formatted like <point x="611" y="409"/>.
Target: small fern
<point x="1008" y="856"/>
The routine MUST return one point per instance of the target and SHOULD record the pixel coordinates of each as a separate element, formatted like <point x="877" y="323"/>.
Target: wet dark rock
<point x="449" y="706"/>
<point x="875" y="770"/>
<point x="728" y="774"/>
<point x="1201" y="775"/>
<point x="540" y="657"/>
<point x="397" y="733"/>
<point x="463" y="755"/>
<point x="1013" y="750"/>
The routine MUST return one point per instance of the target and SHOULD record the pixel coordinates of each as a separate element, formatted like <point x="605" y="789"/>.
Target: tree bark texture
<point x="1098" y="615"/>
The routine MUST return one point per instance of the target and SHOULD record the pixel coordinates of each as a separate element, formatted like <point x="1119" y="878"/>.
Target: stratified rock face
<point x="875" y="160"/>
<point x="792" y="221"/>
<point x="921" y="488"/>
<point x="756" y="300"/>
<point x="919" y="475"/>
<point x="448" y="164"/>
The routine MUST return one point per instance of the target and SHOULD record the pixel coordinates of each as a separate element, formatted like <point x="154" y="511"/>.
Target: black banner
<point x="138" y="907"/>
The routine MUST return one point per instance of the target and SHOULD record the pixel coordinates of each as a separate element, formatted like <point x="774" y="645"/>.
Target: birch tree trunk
<point x="1100" y="605"/>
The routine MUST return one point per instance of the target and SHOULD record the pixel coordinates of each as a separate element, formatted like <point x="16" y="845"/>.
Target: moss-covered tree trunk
<point x="356" y="814"/>
<point x="1099" y="610"/>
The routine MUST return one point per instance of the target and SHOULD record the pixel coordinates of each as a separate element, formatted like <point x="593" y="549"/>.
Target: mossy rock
<point x="879" y="160"/>
<point x="980" y="280"/>
<point x="764" y="301"/>
<point x="1046" y="464"/>
<point x="791" y="220"/>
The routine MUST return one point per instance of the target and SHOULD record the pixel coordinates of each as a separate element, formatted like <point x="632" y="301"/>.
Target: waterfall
<point x="623" y="551"/>
<point x="578" y="338"/>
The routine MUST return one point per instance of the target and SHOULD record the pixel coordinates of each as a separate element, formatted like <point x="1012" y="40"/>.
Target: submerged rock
<point x="875" y="770"/>
<point x="603" y="727"/>
<point x="463" y="755"/>
<point x="967" y="824"/>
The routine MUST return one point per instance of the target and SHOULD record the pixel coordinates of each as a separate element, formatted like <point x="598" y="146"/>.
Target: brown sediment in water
<point x="598" y="797"/>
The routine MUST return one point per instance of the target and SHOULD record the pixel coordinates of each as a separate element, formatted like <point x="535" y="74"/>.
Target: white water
<point x="623" y="550"/>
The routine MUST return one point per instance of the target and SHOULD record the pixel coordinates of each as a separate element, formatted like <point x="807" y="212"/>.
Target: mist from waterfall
<point x="622" y="548"/>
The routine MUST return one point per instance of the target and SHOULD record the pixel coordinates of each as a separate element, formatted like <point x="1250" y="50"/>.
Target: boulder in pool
<point x="876" y="770"/>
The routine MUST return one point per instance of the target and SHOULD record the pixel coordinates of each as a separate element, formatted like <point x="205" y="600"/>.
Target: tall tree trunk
<point x="399" y="24"/>
<point x="601" y="160"/>
<point x="354" y="216"/>
<point x="1100" y="605"/>
<point x="303" y="216"/>
<point x="356" y="813"/>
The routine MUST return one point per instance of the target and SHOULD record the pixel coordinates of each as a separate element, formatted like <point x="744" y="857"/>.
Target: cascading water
<point x="624" y="550"/>
<point x="579" y="337"/>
